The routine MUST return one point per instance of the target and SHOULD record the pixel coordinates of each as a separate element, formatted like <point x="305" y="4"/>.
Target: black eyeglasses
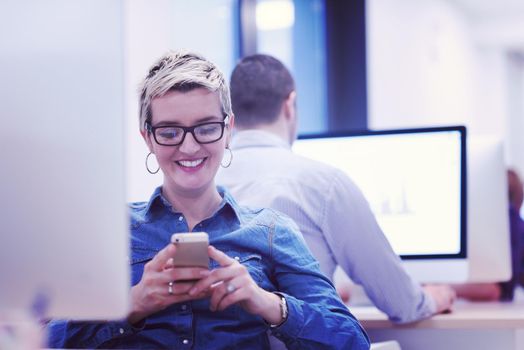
<point x="175" y="135"/>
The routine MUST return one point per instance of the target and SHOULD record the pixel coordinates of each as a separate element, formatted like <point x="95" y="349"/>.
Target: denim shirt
<point x="269" y="246"/>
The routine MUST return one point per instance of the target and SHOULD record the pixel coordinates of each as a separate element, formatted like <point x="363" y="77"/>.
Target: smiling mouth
<point x="190" y="163"/>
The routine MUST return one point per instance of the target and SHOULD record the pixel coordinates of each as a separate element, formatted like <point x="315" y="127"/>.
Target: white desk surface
<point x="470" y="325"/>
<point x="464" y="315"/>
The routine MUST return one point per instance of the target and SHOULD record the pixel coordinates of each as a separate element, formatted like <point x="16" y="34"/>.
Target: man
<point x="330" y="210"/>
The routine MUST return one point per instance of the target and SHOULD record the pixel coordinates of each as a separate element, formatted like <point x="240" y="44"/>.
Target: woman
<point x="261" y="275"/>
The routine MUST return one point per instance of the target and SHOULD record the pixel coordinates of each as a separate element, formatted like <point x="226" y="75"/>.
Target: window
<point x="293" y="32"/>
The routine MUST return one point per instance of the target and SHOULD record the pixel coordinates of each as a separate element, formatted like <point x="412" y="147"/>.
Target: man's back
<point x="332" y="214"/>
<point x="281" y="180"/>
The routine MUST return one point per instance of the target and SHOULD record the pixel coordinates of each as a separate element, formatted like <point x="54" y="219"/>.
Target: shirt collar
<point x="257" y="138"/>
<point x="158" y="202"/>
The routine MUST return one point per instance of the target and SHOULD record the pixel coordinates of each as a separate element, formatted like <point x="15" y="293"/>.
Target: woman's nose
<point x="189" y="145"/>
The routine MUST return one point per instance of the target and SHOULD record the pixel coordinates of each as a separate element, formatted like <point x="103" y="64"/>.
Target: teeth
<point x="190" y="163"/>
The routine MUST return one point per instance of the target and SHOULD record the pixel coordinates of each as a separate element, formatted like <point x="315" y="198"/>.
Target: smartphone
<point x="191" y="249"/>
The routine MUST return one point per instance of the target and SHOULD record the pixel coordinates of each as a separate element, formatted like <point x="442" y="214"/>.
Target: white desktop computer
<point x="489" y="250"/>
<point x="415" y="182"/>
<point x="447" y="220"/>
<point x="64" y="223"/>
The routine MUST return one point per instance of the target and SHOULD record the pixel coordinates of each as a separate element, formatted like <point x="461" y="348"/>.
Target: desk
<point x="490" y="325"/>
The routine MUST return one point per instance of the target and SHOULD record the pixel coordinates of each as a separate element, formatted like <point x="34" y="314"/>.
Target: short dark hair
<point x="259" y="86"/>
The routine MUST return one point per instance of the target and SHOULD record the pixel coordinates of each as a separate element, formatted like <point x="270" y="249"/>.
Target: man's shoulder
<point x="319" y="172"/>
<point x="308" y="167"/>
<point x="308" y="162"/>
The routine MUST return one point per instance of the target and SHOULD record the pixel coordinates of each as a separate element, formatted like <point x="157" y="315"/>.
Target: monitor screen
<point x="414" y="181"/>
<point x="64" y="220"/>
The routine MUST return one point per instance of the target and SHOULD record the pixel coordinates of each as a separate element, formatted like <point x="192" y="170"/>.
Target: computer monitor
<point x="64" y="223"/>
<point x="415" y="183"/>
<point x="489" y="251"/>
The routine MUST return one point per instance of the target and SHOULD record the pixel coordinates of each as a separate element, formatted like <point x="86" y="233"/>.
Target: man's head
<point x="181" y="71"/>
<point x="262" y="91"/>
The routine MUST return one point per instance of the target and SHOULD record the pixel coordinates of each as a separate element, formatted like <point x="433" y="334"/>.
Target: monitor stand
<point x="438" y="270"/>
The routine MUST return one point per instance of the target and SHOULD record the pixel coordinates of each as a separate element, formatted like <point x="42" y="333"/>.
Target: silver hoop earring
<point x="230" y="158"/>
<point x="147" y="165"/>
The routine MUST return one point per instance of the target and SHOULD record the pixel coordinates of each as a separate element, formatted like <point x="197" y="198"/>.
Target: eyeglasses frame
<point x="187" y="129"/>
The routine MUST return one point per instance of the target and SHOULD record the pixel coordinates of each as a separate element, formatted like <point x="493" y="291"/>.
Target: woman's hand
<point x="163" y="284"/>
<point x="231" y="283"/>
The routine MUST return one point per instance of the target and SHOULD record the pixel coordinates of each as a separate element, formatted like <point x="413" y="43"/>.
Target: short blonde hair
<point x="181" y="71"/>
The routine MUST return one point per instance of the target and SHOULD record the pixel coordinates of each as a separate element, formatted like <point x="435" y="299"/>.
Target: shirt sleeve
<point x="316" y="316"/>
<point x="70" y="334"/>
<point x="363" y="252"/>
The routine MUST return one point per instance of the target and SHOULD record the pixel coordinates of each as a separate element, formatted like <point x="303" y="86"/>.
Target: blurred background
<point x="70" y="72"/>
<point x="358" y="64"/>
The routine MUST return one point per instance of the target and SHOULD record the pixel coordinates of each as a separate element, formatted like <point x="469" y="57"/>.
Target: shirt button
<point x="180" y="218"/>
<point x="237" y="258"/>
<point x="121" y="330"/>
<point x="185" y="341"/>
<point x="184" y="307"/>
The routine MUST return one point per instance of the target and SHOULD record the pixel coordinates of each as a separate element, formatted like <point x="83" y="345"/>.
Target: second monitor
<point x="415" y="182"/>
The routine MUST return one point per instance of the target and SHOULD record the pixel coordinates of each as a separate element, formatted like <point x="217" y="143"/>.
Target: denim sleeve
<point x="88" y="335"/>
<point x="317" y="319"/>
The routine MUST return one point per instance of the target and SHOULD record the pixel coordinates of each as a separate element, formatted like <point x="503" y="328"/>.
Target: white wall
<point x="428" y="64"/>
<point x="151" y="29"/>
<point x="419" y="64"/>
<point x="147" y="36"/>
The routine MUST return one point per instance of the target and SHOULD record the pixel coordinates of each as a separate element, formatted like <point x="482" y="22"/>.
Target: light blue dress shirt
<point x="269" y="246"/>
<point x="331" y="213"/>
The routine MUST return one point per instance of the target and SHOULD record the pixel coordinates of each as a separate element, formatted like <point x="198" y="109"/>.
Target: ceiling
<point x="488" y="9"/>
<point x="495" y="22"/>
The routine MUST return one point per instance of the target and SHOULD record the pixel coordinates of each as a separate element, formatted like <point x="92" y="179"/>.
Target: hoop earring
<point x="230" y="158"/>
<point x="147" y="165"/>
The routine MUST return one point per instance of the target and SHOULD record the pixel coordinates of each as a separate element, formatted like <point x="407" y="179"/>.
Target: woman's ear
<point x="230" y="129"/>
<point x="147" y="138"/>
